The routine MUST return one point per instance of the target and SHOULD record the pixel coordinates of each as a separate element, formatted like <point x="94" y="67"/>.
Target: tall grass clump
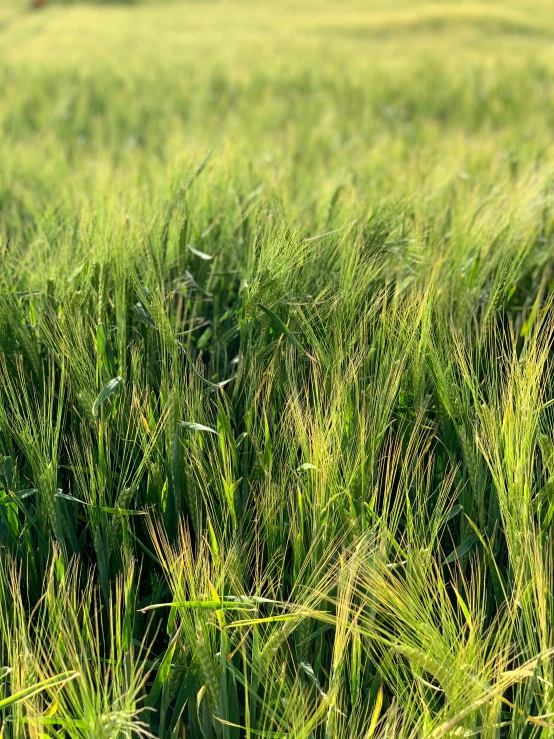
<point x="276" y="379"/>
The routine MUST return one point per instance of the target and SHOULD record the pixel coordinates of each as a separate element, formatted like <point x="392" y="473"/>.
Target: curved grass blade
<point x="279" y="326"/>
<point x="191" y="426"/>
<point x="462" y="549"/>
<point x="189" y="605"/>
<point x="112" y="387"/>
<point x="143" y="315"/>
<point x="200" y="254"/>
<point x="56" y="680"/>
<point x="104" y="509"/>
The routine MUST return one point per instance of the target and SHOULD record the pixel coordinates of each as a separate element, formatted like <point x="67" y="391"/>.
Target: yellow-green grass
<point x="276" y="451"/>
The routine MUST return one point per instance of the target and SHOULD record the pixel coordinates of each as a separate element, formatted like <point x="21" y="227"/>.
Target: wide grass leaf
<point x="462" y="549"/>
<point x="112" y="387"/>
<point x="191" y="426"/>
<point x="282" y="329"/>
<point x="200" y="254"/>
<point x="51" y="682"/>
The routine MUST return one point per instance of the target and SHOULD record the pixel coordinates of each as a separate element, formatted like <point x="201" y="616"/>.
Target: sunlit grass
<point x="276" y="452"/>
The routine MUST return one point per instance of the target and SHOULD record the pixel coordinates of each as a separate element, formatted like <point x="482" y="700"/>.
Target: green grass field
<point x="276" y="369"/>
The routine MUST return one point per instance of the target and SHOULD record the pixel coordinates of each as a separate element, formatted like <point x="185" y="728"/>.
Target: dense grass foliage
<point x="276" y="422"/>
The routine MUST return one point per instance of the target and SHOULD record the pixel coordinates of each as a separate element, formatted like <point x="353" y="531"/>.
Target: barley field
<point x="276" y="369"/>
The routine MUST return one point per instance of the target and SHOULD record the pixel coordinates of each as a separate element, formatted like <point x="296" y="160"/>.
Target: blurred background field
<point x="387" y="97"/>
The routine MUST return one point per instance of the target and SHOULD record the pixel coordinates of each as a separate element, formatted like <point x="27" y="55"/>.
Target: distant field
<point x="276" y="380"/>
